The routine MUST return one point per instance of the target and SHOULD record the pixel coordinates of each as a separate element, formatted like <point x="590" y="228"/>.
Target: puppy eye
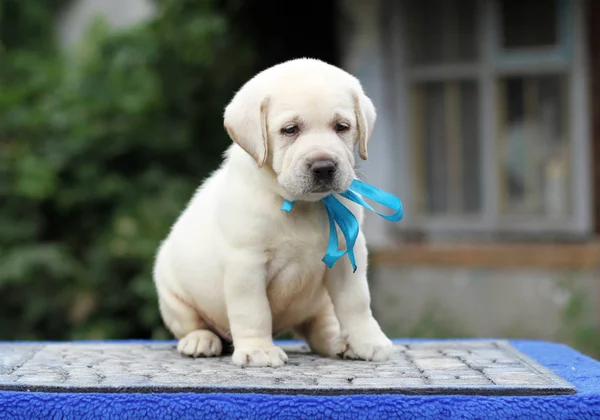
<point x="290" y="130"/>
<point x="342" y="127"/>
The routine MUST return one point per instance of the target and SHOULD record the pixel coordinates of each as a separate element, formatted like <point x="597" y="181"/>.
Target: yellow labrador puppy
<point x="235" y="267"/>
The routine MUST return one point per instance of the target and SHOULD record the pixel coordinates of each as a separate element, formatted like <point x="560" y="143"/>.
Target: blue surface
<point x="581" y="371"/>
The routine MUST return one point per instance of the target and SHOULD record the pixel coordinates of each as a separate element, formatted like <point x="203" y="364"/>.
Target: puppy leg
<point x="322" y="332"/>
<point x="249" y="313"/>
<point x="184" y="322"/>
<point x="195" y="339"/>
<point x="349" y="293"/>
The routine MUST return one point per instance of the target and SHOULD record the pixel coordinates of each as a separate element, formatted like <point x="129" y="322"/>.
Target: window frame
<point x="554" y="58"/>
<point x="570" y="57"/>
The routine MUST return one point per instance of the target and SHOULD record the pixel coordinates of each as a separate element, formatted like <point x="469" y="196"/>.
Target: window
<point x="533" y="155"/>
<point x="495" y="92"/>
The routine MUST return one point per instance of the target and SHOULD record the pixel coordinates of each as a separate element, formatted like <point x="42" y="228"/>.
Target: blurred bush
<point x="100" y="148"/>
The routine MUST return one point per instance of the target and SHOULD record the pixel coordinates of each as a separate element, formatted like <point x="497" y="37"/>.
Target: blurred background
<point x="488" y="130"/>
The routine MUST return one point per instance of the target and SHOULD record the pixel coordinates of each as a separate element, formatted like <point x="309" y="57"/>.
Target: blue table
<point x="581" y="371"/>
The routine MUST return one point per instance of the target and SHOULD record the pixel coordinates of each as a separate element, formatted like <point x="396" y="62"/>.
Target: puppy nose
<point x="323" y="170"/>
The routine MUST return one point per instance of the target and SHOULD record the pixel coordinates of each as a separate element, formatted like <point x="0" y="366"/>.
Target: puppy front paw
<point x="259" y="357"/>
<point x="200" y="343"/>
<point x="374" y="347"/>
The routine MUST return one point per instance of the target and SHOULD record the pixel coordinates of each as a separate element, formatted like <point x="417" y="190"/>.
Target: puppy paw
<point x="259" y="357"/>
<point x="200" y="343"/>
<point x="338" y="347"/>
<point x="376" y="348"/>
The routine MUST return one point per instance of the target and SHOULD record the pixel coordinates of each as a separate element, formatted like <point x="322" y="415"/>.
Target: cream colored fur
<point x="234" y="265"/>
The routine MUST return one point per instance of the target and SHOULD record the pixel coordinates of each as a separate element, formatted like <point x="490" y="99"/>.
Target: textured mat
<point x="444" y="367"/>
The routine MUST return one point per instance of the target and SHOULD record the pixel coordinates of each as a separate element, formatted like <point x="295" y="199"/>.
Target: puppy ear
<point x="365" y="114"/>
<point x="246" y="123"/>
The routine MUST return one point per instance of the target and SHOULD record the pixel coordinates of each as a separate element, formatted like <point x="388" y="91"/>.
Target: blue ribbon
<point x="348" y="224"/>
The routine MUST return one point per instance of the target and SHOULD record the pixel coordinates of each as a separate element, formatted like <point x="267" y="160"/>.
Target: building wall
<point x="548" y="293"/>
<point x="544" y="291"/>
<point x="485" y="302"/>
<point x="594" y="62"/>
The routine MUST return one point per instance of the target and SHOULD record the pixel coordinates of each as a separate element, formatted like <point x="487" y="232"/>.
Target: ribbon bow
<point x="343" y="217"/>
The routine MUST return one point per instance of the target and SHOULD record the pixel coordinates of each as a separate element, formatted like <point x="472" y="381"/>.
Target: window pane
<point x="534" y="147"/>
<point x="441" y="32"/>
<point x="471" y="175"/>
<point x="447" y="143"/>
<point x="529" y="23"/>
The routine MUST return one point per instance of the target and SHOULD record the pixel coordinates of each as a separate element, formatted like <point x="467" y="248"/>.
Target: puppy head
<point x="303" y="118"/>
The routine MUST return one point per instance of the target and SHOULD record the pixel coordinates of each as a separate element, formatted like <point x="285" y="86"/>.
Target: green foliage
<point x="28" y="24"/>
<point x="99" y="151"/>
